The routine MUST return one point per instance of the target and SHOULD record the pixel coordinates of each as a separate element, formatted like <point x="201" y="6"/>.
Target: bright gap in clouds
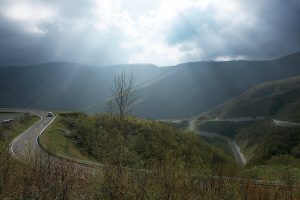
<point x="29" y="15"/>
<point x="194" y="25"/>
<point x="163" y="32"/>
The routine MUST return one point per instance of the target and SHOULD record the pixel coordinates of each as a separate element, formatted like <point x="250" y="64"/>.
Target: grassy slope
<point x="271" y="151"/>
<point x="9" y="115"/>
<point x="44" y="179"/>
<point x="221" y="144"/>
<point x="263" y="140"/>
<point x="280" y="99"/>
<point x="147" y="142"/>
<point x="54" y="141"/>
<point x="228" y="129"/>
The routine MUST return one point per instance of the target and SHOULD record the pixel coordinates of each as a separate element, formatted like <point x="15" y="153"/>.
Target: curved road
<point x="27" y="141"/>
<point x="285" y="124"/>
<point x="239" y="156"/>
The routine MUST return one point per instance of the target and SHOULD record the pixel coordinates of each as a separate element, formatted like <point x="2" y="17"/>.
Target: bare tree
<point x="123" y="94"/>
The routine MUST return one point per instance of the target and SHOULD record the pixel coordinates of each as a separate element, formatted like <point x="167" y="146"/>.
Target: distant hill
<point x="280" y="99"/>
<point x="64" y="86"/>
<point x="164" y="92"/>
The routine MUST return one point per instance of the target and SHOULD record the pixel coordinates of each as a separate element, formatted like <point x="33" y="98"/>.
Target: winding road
<point x="28" y="141"/>
<point x="239" y="156"/>
<point x="285" y="124"/>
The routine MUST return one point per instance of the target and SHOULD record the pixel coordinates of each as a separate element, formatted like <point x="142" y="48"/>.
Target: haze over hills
<point x="197" y="87"/>
<point x="67" y="86"/>
<point x="163" y="92"/>
<point x="280" y="99"/>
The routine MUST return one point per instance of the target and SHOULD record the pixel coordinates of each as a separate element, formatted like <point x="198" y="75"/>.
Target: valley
<point x="252" y="137"/>
<point x="150" y="100"/>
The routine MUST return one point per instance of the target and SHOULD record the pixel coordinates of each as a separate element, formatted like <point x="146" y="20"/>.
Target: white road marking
<point x="11" y="149"/>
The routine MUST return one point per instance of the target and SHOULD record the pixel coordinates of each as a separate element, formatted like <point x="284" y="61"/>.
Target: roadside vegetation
<point x="8" y="131"/>
<point x="144" y="159"/>
<point x="180" y="125"/>
<point x="269" y="149"/>
<point x="220" y="144"/>
<point x="263" y="141"/>
<point x="56" y="140"/>
<point x="144" y="143"/>
<point x="272" y="152"/>
<point x="175" y="169"/>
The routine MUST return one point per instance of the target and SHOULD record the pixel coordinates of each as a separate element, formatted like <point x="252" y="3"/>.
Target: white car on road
<point x="50" y="114"/>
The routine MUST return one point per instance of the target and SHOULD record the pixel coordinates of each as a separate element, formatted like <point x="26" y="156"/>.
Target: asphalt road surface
<point x="27" y="144"/>
<point x="239" y="156"/>
<point x="285" y="124"/>
<point x="27" y="141"/>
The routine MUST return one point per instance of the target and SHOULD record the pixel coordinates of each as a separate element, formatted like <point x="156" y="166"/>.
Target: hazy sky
<point x="162" y="32"/>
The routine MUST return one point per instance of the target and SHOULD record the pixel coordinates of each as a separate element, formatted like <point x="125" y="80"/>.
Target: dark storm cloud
<point x="275" y="32"/>
<point x="69" y="36"/>
<point x="78" y="32"/>
<point x="20" y="48"/>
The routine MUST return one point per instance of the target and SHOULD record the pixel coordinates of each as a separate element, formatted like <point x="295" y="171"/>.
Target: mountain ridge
<point x="279" y="99"/>
<point x="169" y="92"/>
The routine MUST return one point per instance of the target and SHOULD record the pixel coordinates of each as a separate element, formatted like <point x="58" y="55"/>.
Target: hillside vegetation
<point x="271" y="151"/>
<point x="173" y="177"/>
<point x="10" y="130"/>
<point x="279" y="99"/>
<point x="178" y="161"/>
<point x="225" y="128"/>
<point x="141" y="143"/>
<point x="263" y="141"/>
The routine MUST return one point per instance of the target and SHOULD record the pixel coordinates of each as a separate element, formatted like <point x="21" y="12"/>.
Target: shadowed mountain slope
<point x="163" y="92"/>
<point x="279" y="99"/>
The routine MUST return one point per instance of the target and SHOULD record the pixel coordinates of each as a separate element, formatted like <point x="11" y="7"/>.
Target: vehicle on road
<point x="50" y="114"/>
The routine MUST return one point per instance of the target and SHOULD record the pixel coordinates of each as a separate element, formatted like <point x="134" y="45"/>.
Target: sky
<point x="161" y="32"/>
